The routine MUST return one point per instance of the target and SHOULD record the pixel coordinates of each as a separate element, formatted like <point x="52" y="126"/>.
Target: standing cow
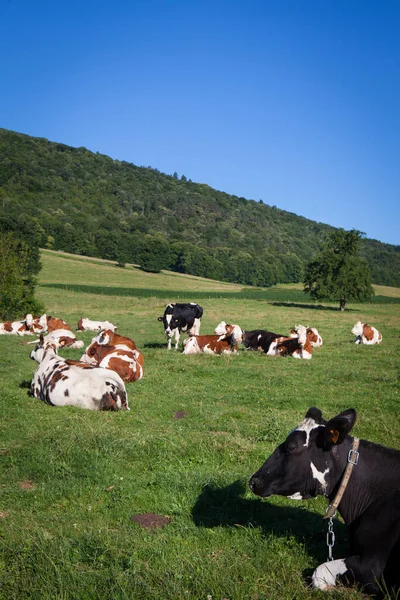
<point x="181" y="317"/>
<point x="360" y="478"/>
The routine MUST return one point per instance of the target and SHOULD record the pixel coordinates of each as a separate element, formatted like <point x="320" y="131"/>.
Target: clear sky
<point x="294" y="102"/>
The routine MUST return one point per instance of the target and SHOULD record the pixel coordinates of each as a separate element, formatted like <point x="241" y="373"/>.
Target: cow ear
<point x="337" y="428"/>
<point x="315" y="414"/>
<point x="159" y="319"/>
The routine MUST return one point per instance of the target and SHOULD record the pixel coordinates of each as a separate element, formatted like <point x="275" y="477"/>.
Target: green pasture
<point x="74" y="483"/>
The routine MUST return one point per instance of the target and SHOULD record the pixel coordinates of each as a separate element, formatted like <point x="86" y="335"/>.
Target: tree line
<point x="71" y="199"/>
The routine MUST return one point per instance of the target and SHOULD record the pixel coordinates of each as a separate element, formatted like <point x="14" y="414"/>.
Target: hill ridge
<point x="87" y="203"/>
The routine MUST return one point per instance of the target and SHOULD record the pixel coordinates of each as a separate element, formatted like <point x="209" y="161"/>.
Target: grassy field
<point x="75" y="484"/>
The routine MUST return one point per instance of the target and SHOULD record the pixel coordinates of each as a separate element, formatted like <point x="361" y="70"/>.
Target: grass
<point x="199" y="426"/>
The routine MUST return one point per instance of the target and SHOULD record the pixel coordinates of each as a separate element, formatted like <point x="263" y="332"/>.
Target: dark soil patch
<point x="148" y="520"/>
<point x="180" y="414"/>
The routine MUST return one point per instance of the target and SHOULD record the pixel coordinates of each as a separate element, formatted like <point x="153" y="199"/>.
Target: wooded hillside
<point x="74" y="200"/>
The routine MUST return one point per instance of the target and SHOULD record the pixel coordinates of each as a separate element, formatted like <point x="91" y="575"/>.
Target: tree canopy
<point x="17" y="283"/>
<point x="86" y="203"/>
<point x="338" y="272"/>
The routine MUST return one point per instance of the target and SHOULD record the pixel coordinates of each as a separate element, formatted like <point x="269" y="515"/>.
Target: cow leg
<point x="195" y="330"/>
<point x="348" y="571"/>
<point x="176" y="334"/>
<point x="169" y="337"/>
<point x="325" y="575"/>
<point x="372" y="547"/>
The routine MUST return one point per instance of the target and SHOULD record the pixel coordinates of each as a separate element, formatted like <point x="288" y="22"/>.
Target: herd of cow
<point x="97" y="380"/>
<point x="317" y="458"/>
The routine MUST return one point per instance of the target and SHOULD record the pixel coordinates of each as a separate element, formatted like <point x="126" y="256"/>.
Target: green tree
<point x="338" y="272"/>
<point x="17" y="284"/>
<point x="154" y="253"/>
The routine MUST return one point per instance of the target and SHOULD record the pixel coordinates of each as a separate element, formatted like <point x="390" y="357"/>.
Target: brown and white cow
<point x="62" y="383"/>
<point x="297" y="347"/>
<point x="366" y="334"/>
<point x="23" y="327"/>
<point x="39" y="324"/>
<point x="54" y="323"/>
<point x="89" y="325"/>
<point x="226" y="341"/>
<point x="62" y="337"/>
<point x="110" y="350"/>
<point x="58" y="332"/>
<point x="312" y="335"/>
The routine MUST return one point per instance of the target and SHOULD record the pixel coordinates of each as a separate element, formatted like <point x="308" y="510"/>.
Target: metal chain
<point x="330" y="538"/>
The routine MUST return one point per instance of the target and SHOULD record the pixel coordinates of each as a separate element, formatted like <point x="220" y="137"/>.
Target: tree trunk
<point x="342" y="304"/>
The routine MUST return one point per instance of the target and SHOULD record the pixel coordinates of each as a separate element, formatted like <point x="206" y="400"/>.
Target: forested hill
<point x="74" y="200"/>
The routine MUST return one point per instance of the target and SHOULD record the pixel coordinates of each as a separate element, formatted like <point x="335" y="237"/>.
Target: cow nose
<point x="256" y="485"/>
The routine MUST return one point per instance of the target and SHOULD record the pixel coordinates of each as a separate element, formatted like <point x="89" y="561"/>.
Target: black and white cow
<point x="181" y="317"/>
<point x="259" y="339"/>
<point x="312" y="461"/>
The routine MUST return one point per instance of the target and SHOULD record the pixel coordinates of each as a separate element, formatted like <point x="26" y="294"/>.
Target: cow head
<point x="358" y="329"/>
<point x="225" y="330"/>
<point x="301" y="333"/>
<point x="170" y="322"/>
<point x="303" y="466"/>
<point x="311" y="332"/>
<point x="29" y="321"/>
<point x="44" y="346"/>
<point x="104" y="337"/>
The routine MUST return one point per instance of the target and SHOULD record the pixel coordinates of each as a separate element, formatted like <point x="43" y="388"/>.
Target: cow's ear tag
<point x="334" y="435"/>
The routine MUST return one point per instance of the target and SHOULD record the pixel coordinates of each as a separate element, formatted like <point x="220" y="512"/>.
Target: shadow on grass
<point x="226" y="507"/>
<point x="309" y="306"/>
<point x="25" y="385"/>
<point x="154" y="345"/>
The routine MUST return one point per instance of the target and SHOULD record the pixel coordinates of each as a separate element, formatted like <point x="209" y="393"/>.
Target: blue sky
<point x="296" y="103"/>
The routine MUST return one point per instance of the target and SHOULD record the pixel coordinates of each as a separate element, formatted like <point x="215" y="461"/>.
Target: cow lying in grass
<point x="109" y="350"/>
<point x="259" y="339"/>
<point x="312" y="461"/>
<point x="70" y="383"/>
<point x="23" y="327"/>
<point x="59" y="332"/>
<point x="365" y="334"/>
<point x="312" y="335"/>
<point x="89" y="325"/>
<point x="227" y="340"/>
<point x="297" y="347"/>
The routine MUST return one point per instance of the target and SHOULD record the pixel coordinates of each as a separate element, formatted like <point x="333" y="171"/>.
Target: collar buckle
<point x="353" y="456"/>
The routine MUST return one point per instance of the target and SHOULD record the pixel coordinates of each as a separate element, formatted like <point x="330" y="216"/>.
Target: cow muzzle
<point x="257" y="486"/>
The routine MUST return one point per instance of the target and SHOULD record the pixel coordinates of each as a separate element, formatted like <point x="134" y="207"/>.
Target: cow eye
<point x="290" y="447"/>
